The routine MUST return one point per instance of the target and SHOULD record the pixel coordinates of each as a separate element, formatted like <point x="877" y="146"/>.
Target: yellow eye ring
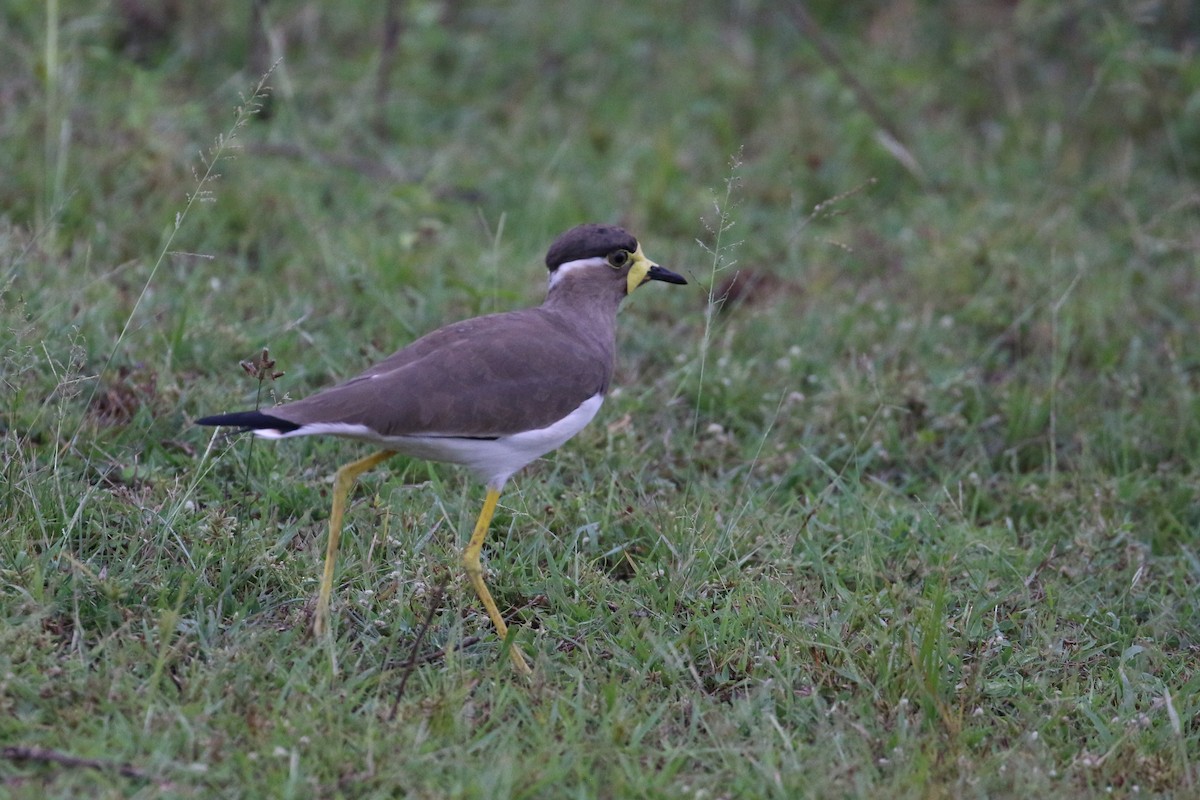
<point x="618" y="258"/>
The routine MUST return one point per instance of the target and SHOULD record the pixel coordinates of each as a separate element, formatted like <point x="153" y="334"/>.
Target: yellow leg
<point x="343" y="482"/>
<point x="474" y="570"/>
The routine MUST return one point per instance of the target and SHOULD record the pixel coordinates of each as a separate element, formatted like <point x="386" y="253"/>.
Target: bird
<point x="490" y="393"/>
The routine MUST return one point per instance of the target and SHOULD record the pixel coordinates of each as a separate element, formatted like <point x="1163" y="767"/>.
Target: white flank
<point x="492" y="460"/>
<point x="318" y="428"/>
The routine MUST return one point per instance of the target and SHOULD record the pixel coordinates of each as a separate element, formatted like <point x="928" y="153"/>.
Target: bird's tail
<point x="250" y="421"/>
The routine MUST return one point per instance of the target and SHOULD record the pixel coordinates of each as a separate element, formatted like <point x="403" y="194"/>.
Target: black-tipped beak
<point x="657" y="273"/>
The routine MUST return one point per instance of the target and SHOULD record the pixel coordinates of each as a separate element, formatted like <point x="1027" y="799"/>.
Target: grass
<point x="899" y="498"/>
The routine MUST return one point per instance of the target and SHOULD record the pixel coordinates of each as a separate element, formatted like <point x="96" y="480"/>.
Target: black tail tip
<point x="250" y="421"/>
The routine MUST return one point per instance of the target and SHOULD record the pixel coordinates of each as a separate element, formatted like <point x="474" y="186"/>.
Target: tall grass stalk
<point x="720" y="252"/>
<point x="223" y="148"/>
<point x="57" y="131"/>
<point x="1056" y="371"/>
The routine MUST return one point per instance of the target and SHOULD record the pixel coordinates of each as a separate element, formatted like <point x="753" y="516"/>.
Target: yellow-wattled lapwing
<point x="492" y="393"/>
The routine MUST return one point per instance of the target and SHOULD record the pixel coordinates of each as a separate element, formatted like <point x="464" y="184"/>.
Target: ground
<point x="898" y="498"/>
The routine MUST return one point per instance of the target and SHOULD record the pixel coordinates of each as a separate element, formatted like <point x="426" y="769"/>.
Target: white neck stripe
<point x="571" y="266"/>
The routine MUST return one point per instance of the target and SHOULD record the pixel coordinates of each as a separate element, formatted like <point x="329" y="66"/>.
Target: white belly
<point x="491" y="460"/>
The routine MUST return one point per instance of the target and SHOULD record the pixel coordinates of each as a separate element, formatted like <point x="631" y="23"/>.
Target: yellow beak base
<point x="638" y="271"/>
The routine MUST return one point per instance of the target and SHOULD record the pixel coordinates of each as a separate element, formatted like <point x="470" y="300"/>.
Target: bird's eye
<point x="618" y="258"/>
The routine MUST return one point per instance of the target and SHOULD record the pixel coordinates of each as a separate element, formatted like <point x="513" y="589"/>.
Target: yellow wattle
<point x="638" y="271"/>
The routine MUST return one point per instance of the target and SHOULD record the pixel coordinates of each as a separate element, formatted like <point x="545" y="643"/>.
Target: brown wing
<point x="487" y="376"/>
